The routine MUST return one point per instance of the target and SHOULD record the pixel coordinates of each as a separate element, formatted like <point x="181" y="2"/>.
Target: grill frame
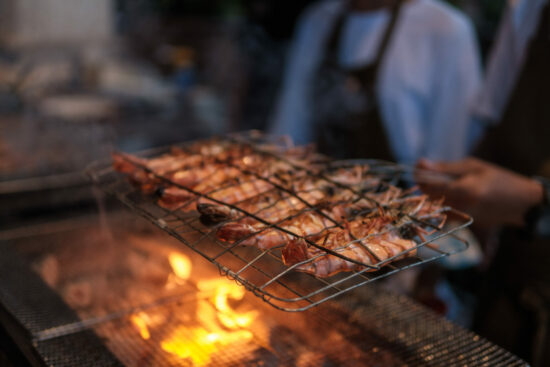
<point x="28" y="306"/>
<point x="172" y="222"/>
<point x="393" y="323"/>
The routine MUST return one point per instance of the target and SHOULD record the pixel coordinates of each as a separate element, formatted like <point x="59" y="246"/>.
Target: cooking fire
<point x="174" y="310"/>
<point x="129" y="295"/>
<point x="288" y="226"/>
<point x="217" y="325"/>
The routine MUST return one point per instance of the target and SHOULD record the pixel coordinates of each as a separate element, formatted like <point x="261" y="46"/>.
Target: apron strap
<point x="374" y="67"/>
<point x="387" y="37"/>
<point x="357" y="132"/>
<point x="520" y="140"/>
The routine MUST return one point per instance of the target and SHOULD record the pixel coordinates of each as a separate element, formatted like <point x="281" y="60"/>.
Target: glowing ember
<point x="198" y="344"/>
<point x="140" y="322"/>
<point x="223" y="290"/>
<point x="217" y="324"/>
<point x="221" y="326"/>
<point x="181" y="265"/>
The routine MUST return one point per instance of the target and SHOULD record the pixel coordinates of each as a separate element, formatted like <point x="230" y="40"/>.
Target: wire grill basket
<point x="262" y="271"/>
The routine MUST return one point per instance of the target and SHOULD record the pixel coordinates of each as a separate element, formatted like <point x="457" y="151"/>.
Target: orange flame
<point x="220" y="325"/>
<point x="198" y="344"/>
<point x="181" y="265"/>
<point x="140" y="322"/>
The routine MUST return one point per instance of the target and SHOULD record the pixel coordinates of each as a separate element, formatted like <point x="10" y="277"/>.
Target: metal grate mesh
<point x="368" y="327"/>
<point x="82" y="349"/>
<point x="34" y="307"/>
<point x="419" y="336"/>
<point x="374" y="328"/>
<point x="262" y="271"/>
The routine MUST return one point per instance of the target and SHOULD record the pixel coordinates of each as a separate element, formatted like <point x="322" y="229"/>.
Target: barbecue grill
<point x="262" y="271"/>
<point x="370" y="326"/>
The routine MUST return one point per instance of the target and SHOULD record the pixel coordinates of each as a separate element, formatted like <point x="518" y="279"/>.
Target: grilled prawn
<point x="275" y="205"/>
<point x="266" y="237"/>
<point x="326" y="219"/>
<point x="371" y="251"/>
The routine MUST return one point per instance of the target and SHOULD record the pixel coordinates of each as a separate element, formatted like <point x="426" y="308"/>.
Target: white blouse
<point x="428" y="83"/>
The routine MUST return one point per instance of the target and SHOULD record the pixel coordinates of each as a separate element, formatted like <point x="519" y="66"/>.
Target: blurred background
<point x="78" y="78"/>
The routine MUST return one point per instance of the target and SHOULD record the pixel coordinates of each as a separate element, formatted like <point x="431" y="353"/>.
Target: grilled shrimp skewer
<point x="215" y="166"/>
<point x="307" y="223"/>
<point x="271" y="205"/>
<point x="274" y="205"/>
<point x="264" y="237"/>
<point x="370" y="251"/>
<point x="176" y="160"/>
<point x="326" y="219"/>
<point x="370" y="241"/>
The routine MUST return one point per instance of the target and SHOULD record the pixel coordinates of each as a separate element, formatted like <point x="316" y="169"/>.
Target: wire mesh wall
<point x="264" y="212"/>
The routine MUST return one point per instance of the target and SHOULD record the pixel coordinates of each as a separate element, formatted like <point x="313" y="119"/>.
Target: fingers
<point x="424" y="163"/>
<point x="430" y="178"/>
<point x="434" y="189"/>
<point x="454" y="168"/>
<point x="459" y="188"/>
<point x="463" y="193"/>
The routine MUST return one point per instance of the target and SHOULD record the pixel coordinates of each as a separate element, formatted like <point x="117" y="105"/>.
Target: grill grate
<point x="420" y="337"/>
<point x="262" y="271"/>
<point x="28" y="306"/>
<point x="369" y="326"/>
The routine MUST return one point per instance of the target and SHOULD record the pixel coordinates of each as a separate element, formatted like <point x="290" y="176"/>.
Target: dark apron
<point x="521" y="141"/>
<point x="515" y="302"/>
<point x="346" y="110"/>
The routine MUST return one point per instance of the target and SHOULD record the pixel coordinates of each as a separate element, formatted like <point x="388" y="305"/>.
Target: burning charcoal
<point x="285" y="342"/>
<point x="311" y="359"/>
<point x="48" y="268"/>
<point x="78" y="294"/>
<point x="138" y="296"/>
<point x="147" y="270"/>
<point x="261" y="357"/>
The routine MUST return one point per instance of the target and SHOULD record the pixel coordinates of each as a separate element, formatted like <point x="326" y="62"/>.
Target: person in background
<point x="514" y="296"/>
<point x="514" y="99"/>
<point x="381" y="79"/>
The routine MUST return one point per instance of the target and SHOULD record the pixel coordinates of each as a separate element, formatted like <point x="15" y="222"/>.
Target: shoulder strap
<point x="333" y="41"/>
<point x="387" y="36"/>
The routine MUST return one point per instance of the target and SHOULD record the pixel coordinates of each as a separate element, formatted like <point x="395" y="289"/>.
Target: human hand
<point x="490" y="194"/>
